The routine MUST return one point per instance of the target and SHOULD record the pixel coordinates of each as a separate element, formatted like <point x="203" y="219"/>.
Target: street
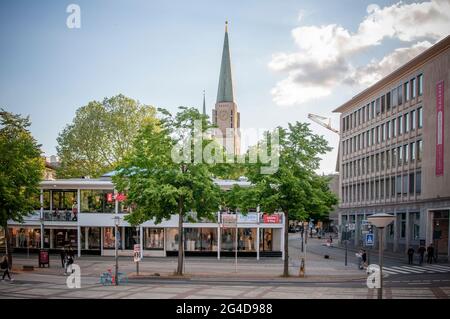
<point x="211" y="278"/>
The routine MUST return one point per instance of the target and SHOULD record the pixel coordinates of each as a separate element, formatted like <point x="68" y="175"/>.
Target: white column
<point x="282" y="239"/>
<point x="86" y="238"/>
<point x="257" y="241"/>
<point x="79" y="240"/>
<point x="219" y="235"/>
<point x="101" y="240"/>
<point x="42" y="235"/>
<point x="141" y="240"/>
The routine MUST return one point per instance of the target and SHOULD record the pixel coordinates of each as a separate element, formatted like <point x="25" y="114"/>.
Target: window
<point x="383" y="103"/>
<point x="372" y="191"/>
<point x="373" y="137"/>
<point x="377" y="162"/>
<point x="394" y="157"/>
<point x="413" y="120"/>
<point x="63" y="199"/>
<point x="372" y="106"/>
<point x="399" y="93"/>
<point x="406" y="155"/>
<point x="400" y="125"/>
<point x="382" y="189"/>
<point x="388" y="130"/>
<point x="405" y="184"/>
<point x="388" y="101"/>
<point x="382" y="132"/>
<point x="109" y="238"/>
<point x="363" y="114"/>
<point x="398" y="185"/>
<point x="388" y="159"/>
<point x="392" y="186"/>
<point x="420" y="80"/>
<point x="394" y="127"/>
<point x="419" y="150"/>
<point x="367" y="112"/>
<point x="378" y="106"/>
<point x="97" y="201"/>
<point x="394" y="97"/>
<point x="367" y="138"/>
<point x="377" y="189"/>
<point x="415" y="219"/>
<point x="420" y="117"/>
<point x="372" y="166"/>
<point x="411" y="183"/>
<point x="382" y="160"/>
<point x="388" y="191"/>
<point x="378" y="134"/>
<point x="154" y="238"/>
<point x="412" y="150"/>
<point x="367" y="191"/>
<point x="406" y="91"/>
<point x="402" y="225"/>
<point x="400" y="155"/>
<point x="363" y="187"/>
<point x="418" y="182"/>
<point x="406" y="122"/>
<point x="413" y="88"/>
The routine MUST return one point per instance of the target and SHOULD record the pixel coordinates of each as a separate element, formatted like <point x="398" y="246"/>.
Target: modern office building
<point x="395" y="153"/>
<point x="81" y="212"/>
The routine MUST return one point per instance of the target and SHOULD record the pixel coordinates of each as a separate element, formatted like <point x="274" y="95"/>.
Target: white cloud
<point x="324" y="56"/>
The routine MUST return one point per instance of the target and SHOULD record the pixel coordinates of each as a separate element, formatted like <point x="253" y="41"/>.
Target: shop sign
<point x="110" y="197"/>
<point x="228" y="220"/>
<point x="271" y="219"/>
<point x="137" y="253"/>
<point x="121" y="197"/>
<point x="440" y="128"/>
<point x="249" y="218"/>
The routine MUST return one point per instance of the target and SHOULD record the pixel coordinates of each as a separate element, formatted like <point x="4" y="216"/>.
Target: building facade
<point x="225" y="115"/>
<point x="395" y="155"/>
<point x="81" y="212"/>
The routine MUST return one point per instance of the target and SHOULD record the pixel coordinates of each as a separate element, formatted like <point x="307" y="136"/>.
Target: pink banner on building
<point x="440" y="128"/>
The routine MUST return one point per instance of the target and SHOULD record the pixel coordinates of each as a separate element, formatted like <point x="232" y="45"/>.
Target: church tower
<point x="225" y="114"/>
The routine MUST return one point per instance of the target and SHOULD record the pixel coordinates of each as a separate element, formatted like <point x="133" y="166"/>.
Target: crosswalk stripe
<point x="415" y="270"/>
<point x="389" y="272"/>
<point x="441" y="267"/>
<point x="434" y="269"/>
<point x="395" y="270"/>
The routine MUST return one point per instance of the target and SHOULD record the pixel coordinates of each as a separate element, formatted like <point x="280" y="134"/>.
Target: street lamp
<point x="116" y="224"/>
<point x="380" y="221"/>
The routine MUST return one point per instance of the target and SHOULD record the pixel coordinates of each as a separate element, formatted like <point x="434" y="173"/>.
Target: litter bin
<point x="44" y="258"/>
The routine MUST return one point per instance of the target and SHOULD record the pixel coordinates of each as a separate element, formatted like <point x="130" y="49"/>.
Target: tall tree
<point x="100" y="135"/>
<point x="292" y="187"/>
<point x="22" y="168"/>
<point x="159" y="185"/>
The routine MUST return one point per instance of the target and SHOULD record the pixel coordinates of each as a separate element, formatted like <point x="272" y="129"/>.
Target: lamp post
<point x="116" y="224"/>
<point x="380" y="221"/>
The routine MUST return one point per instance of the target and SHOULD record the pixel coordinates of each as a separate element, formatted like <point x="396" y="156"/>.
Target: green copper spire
<point x="204" y="104"/>
<point x="225" y="91"/>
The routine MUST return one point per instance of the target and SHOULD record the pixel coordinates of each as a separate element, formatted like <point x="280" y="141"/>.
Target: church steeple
<point x="225" y="90"/>
<point x="204" y="104"/>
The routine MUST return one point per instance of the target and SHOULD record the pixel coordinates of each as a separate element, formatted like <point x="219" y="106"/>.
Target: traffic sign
<point x="369" y="239"/>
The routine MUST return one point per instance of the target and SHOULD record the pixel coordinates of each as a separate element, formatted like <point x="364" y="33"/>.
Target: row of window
<point x="402" y="124"/>
<point x="398" y="95"/>
<point x="395" y="157"/>
<point x="384" y="188"/>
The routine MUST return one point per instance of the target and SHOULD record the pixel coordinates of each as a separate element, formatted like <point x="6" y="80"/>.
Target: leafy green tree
<point x="293" y="186"/>
<point x="100" y="135"/>
<point x="22" y="168"/>
<point x="159" y="186"/>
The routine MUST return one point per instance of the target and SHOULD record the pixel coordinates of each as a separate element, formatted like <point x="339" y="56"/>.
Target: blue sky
<point x="165" y="53"/>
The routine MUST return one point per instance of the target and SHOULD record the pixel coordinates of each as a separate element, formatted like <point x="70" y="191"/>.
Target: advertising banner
<point x="440" y="128"/>
<point x="251" y="218"/>
<point x="271" y="219"/>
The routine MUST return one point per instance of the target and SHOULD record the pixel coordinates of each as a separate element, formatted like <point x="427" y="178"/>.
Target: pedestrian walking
<point x="5" y="266"/>
<point x="331" y="239"/>
<point x="63" y="254"/>
<point x="359" y="256"/>
<point x="410" y="255"/>
<point x="364" y="259"/>
<point x="430" y="254"/>
<point x="421" y="252"/>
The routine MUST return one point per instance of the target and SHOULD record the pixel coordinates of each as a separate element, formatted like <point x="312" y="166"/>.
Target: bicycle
<point x="107" y="278"/>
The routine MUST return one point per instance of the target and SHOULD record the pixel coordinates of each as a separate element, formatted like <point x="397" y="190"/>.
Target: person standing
<point x="63" y="254"/>
<point x="4" y="265"/>
<point x="410" y="255"/>
<point x="364" y="258"/>
<point x="430" y="254"/>
<point x="421" y="252"/>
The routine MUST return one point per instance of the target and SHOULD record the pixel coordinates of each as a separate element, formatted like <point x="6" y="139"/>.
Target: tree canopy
<point x="22" y="168"/>
<point x="100" y="135"/>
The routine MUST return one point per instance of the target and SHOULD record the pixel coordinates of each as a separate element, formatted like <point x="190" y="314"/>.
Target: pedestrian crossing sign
<point x="369" y="239"/>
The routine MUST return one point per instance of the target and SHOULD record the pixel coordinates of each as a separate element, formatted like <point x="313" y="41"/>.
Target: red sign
<point x="271" y="219"/>
<point x="440" y="128"/>
<point x="121" y="197"/>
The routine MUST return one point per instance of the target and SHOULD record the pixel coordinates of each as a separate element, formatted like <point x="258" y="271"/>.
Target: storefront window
<point x="415" y="219"/>
<point x="92" y="234"/>
<point x="200" y="239"/>
<point x="131" y="237"/>
<point x="265" y="239"/>
<point x="109" y="240"/>
<point x="97" y="201"/>
<point x="63" y="199"/>
<point x="25" y="237"/>
<point x="46" y="197"/>
<point x="153" y="238"/>
<point x="172" y="239"/>
<point x="228" y="239"/>
<point x="247" y="239"/>
<point x="60" y="238"/>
